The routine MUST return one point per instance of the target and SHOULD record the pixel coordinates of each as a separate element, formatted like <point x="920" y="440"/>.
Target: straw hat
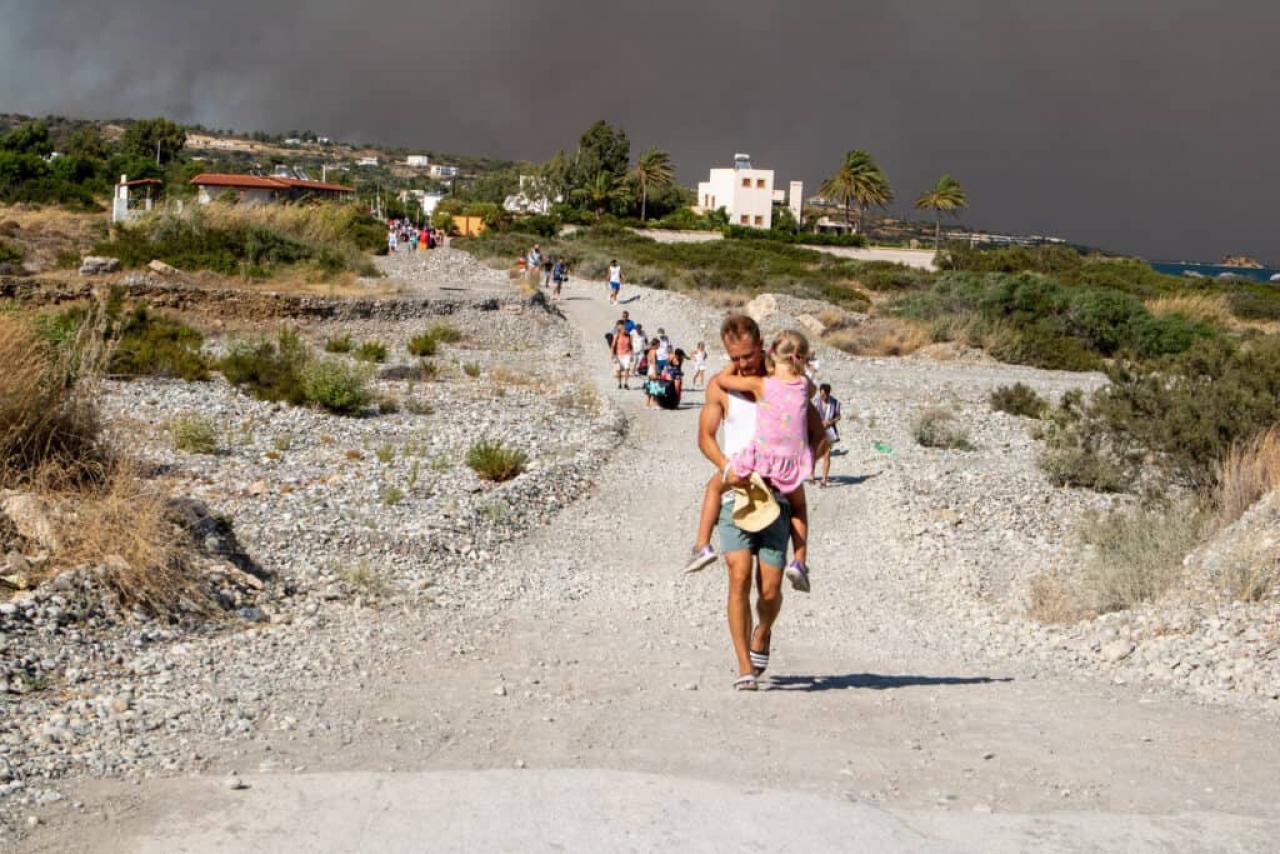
<point x="754" y="507"/>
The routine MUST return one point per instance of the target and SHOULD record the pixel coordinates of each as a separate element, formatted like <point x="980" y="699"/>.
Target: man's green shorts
<point x="769" y="545"/>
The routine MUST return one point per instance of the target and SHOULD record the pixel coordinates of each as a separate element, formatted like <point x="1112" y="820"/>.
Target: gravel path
<point x="906" y="682"/>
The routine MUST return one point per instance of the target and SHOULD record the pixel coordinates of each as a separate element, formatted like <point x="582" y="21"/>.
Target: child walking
<point x="779" y="452"/>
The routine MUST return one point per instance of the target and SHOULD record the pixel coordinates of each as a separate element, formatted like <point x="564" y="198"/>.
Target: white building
<point x="425" y="198"/>
<point x="367" y="161"/>
<point x="745" y="193"/>
<point x="421" y="161"/>
<point x="438" y="171"/>
<point x="532" y="198"/>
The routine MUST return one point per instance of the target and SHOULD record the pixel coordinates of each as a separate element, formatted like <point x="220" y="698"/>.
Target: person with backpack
<point x="559" y="273"/>
<point x="620" y="346"/>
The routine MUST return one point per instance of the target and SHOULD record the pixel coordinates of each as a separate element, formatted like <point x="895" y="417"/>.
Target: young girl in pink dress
<point x="779" y="452"/>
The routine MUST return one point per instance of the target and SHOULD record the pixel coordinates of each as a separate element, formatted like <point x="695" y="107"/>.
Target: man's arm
<point x="709" y="423"/>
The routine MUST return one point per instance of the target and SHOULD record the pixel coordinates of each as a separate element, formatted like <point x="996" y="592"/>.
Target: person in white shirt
<point x="829" y="410"/>
<point x="615" y="281"/>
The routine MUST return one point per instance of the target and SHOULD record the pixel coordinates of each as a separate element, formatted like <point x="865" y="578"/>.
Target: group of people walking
<point x="403" y="234"/>
<point x="658" y="364"/>
<point x="553" y="269"/>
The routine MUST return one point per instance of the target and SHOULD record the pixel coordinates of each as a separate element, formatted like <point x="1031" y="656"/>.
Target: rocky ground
<point x="455" y="629"/>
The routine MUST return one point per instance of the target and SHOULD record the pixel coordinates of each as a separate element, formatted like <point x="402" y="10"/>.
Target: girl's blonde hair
<point x="791" y="346"/>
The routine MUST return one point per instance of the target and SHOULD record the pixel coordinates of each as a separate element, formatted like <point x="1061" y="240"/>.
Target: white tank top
<point x="739" y="428"/>
<point x="739" y="423"/>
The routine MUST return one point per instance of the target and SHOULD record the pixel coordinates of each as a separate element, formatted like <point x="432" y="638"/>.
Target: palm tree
<point x="603" y="190"/>
<point x="653" y="169"/>
<point x="947" y="195"/>
<point x="858" y="184"/>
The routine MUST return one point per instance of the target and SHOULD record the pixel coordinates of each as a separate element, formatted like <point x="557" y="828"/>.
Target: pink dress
<point x="780" y="450"/>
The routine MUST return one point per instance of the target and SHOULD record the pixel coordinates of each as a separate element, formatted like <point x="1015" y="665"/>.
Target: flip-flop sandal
<point x="746" y="683"/>
<point x="759" y="660"/>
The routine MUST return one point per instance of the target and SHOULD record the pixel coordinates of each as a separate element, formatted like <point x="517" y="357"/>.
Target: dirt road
<point x="594" y="712"/>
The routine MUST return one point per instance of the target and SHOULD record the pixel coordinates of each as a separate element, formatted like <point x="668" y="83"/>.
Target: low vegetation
<point x="424" y="344"/>
<point x="1019" y="399"/>
<point x="372" y="351"/>
<point x="256" y="242"/>
<point x="754" y="266"/>
<point x="285" y="370"/>
<point x="52" y="447"/>
<point x="338" y="344"/>
<point x="493" y="460"/>
<point x="938" y="427"/>
<point x="194" y="434"/>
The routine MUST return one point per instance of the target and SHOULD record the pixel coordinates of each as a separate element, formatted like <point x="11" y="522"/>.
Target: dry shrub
<point x="124" y="525"/>
<point x="1137" y="554"/>
<point x="725" y="300"/>
<point x="1052" y="600"/>
<point x="1249" y="471"/>
<point x="1213" y="309"/>
<point x="48" y="417"/>
<point x="506" y="376"/>
<point x="938" y="427"/>
<point x="881" y="336"/>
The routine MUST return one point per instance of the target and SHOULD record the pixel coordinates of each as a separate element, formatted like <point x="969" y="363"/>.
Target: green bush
<point x="372" y="351"/>
<point x="195" y="434"/>
<point x="1045" y="324"/>
<point x="888" y="276"/>
<point x="154" y="345"/>
<point x="10" y="254"/>
<point x="341" y="344"/>
<point x="424" y="344"/>
<point x="1083" y="468"/>
<point x="445" y="333"/>
<point x="493" y="460"/>
<point x="1018" y="399"/>
<point x="1178" y="415"/>
<point x="268" y="370"/>
<point x="338" y="386"/>
<point x="471" y="369"/>
<point x="539" y="224"/>
<point x="742" y="232"/>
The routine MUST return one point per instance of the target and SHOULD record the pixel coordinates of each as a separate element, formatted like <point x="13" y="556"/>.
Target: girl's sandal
<point x="746" y="683"/>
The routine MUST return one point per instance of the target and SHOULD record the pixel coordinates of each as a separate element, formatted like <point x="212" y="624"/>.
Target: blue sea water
<point x="1212" y="271"/>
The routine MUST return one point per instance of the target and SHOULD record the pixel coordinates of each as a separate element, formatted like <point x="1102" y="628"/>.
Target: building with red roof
<point x="261" y="189"/>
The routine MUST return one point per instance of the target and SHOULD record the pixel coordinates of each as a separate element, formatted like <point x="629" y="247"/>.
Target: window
<point x="759" y="183"/>
<point x="746" y="182"/>
<point x="743" y="219"/>
<point x="759" y="220"/>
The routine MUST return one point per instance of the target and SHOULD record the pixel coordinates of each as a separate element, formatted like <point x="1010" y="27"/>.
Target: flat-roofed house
<point x="745" y="193"/>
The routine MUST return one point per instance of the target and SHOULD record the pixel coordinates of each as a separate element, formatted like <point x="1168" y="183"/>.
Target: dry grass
<point x="1206" y="308"/>
<point x="50" y="236"/>
<point x="124" y="525"/>
<point x="880" y="336"/>
<point x="1052" y="600"/>
<point x="1248" y="472"/>
<point x="103" y="512"/>
<point x="1137" y="554"/>
<point x="48" y="416"/>
<point x="305" y="280"/>
<point x="724" y="300"/>
<point x="504" y="376"/>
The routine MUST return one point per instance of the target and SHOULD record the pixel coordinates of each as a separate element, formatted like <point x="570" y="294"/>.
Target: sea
<point x="1213" y="271"/>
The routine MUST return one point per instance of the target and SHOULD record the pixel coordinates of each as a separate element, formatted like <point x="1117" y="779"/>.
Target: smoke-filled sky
<point x="1145" y="126"/>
